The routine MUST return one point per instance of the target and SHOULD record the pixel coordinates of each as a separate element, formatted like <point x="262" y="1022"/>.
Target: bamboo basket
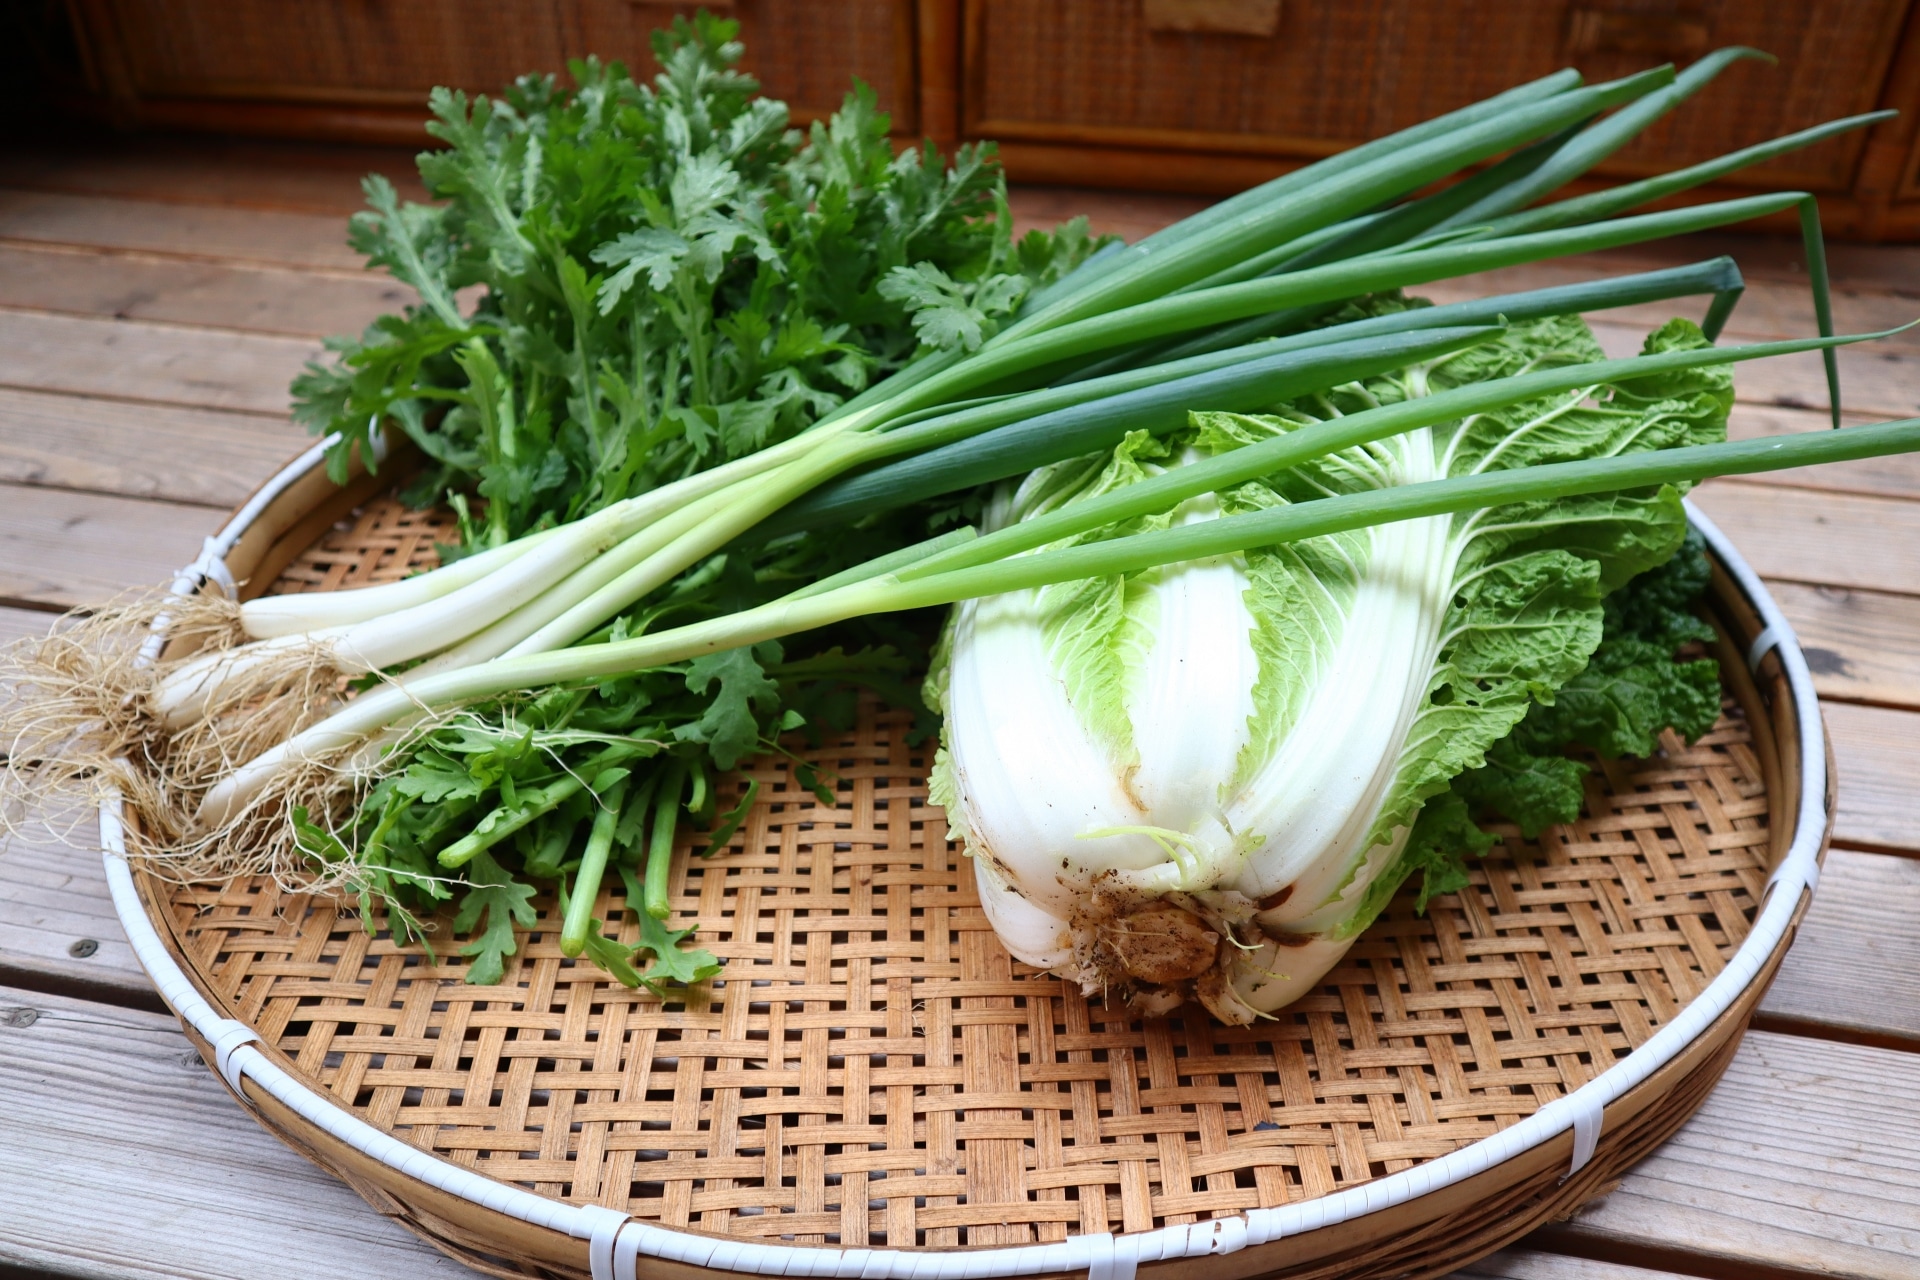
<point x="873" y="1088"/>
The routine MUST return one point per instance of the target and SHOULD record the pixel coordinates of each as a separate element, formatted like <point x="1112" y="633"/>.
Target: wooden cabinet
<point x="804" y="52"/>
<point x="1187" y="95"/>
<point x="359" y="70"/>
<point x="1168" y="94"/>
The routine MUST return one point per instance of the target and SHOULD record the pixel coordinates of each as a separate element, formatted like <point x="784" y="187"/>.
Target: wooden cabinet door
<point x="1157" y="85"/>
<point x="369" y="52"/>
<point x="807" y="53"/>
<point x="361" y="69"/>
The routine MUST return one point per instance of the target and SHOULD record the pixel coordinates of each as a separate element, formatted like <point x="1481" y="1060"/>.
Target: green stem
<point x="378" y="709"/>
<point x="1604" y="204"/>
<point x="1596" y="143"/>
<point x="1174" y="486"/>
<point x="690" y="536"/>
<point x="1229" y="535"/>
<point x="660" y="843"/>
<point x="1815" y="245"/>
<point x="1182" y="312"/>
<point x="1219" y="243"/>
<point x="593" y="866"/>
<point x="1233" y="534"/>
<point x="503" y="822"/>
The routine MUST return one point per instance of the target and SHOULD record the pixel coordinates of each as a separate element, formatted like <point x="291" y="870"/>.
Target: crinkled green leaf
<point x="1530" y="790"/>
<point x="670" y="963"/>
<point x="1635" y="686"/>
<point x="731" y="724"/>
<point x="504" y="902"/>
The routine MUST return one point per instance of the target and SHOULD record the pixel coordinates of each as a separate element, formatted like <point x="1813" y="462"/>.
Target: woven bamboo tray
<point x="873" y="1087"/>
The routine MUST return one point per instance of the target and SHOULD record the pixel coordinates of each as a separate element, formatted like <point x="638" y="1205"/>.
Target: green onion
<point x="593" y="866"/>
<point x="1027" y="445"/>
<point x="660" y="842"/>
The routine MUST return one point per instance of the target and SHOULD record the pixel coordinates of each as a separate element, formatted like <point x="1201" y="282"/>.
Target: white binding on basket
<point x="616" y="1240"/>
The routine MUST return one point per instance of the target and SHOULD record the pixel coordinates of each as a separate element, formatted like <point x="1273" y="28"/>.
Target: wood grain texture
<point x="63" y="549"/>
<point x="1805" y="1160"/>
<point x="1803" y="535"/>
<point x="140" y="450"/>
<point x="127" y="1158"/>
<point x="313" y="241"/>
<point x="22" y="624"/>
<point x="53" y="895"/>
<point x="1531" y="1264"/>
<point x="1854" y="970"/>
<point x="138" y="286"/>
<point x="1894" y="477"/>
<point x="138" y="360"/>
<point x="1860" y="645"/>
<point x="1877" y="755"/>
<point x="217" y="172"/>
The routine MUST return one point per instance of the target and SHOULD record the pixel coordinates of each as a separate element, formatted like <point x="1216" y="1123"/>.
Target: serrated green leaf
<point x="670" y="964"/>
<point x="495" y="895"/>
<point x="730" y="726"/>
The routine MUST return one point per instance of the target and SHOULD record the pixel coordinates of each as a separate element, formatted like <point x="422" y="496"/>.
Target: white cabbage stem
<point x="1085" y="804"/>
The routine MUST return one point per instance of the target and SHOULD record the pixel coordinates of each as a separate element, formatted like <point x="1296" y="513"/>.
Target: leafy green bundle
<point x="1643" y="679"/>
<point x="672" y="279"/>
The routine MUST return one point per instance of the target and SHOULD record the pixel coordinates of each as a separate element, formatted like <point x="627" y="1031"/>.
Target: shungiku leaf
<point x="1252" y="739"/>
<point x="504" y="902"/>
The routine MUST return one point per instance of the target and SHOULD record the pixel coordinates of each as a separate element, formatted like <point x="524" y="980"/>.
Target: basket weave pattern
<point x="872" y="1068"/>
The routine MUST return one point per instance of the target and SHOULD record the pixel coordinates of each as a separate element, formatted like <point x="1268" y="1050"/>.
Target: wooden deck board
<point x="1805" y="1160"/>
<point x="1803" y="535"/>
<point x="1862" y="646"/>
<point x="22" y="624"/>
<point x="126" y="286"/>
<point x="136" y="360"/>
<point x="232" y="173"/>
<point x="1854" y="971"/>
<point x="1877" y="755"/>
<point x="141" y="450"/>
<point x="53" y="896"/>
<point x="205" y="1193"/>
<point x="1531" y="1264"/>
<point x="198" y="233"/>
<point x="144" y="1166"/>
<point x="60" y="548"/>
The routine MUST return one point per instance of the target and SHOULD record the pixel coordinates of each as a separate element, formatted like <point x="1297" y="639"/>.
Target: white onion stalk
<point x="495" y="597"/>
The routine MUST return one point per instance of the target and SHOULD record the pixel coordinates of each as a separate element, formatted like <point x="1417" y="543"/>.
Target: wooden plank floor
<point x="156" y="298"/>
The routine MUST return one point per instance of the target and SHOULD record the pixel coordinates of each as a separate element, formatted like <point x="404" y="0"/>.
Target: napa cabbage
<point x="1206" y="779"/>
